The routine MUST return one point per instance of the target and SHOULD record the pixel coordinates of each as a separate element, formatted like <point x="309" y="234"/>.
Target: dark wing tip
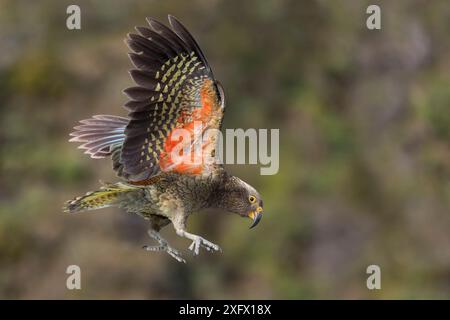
<point x="151" y="21"/>
<point x="187" y="37"/>
<point x="172" y="17"/>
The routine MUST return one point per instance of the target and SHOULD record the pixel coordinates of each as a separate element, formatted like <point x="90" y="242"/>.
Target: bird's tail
<point x="108" y="195"/>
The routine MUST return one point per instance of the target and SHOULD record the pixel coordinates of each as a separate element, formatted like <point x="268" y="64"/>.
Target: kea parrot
<point x="175" y="90"/>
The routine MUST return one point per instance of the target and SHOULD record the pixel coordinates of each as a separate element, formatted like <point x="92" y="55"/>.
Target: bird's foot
<point x="165" y="247"/>
<point x="198" y="242"/>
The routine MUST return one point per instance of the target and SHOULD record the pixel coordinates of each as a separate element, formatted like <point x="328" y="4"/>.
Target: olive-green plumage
<point x="172" y="198"/>
<point x="176" y="89"/>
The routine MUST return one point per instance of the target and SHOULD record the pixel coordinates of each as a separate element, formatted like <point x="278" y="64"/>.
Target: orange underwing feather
<point x="204" y="116"/>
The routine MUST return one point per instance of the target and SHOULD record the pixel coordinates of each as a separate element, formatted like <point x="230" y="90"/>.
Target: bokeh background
<point x="364" y="151"/>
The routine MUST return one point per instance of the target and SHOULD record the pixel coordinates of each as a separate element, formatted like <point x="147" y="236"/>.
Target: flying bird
<point x="175" y="90"/>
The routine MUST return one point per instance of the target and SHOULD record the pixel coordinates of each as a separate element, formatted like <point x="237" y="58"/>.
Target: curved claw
<point x="176" y="255"/>
<point x="201" y="242"/>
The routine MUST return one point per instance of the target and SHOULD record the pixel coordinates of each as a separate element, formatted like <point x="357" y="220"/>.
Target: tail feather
<point x="107" y="196"/>
<point x="100" y="134"/>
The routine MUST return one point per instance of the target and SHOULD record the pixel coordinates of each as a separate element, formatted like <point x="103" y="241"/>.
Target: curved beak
<point x="256" y="217"/>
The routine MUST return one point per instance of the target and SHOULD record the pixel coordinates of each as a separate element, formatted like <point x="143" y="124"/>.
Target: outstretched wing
<point x="175" y="90"/>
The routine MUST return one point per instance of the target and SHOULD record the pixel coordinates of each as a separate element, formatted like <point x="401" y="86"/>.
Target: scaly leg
<point x="197" y="242"/>
<point x="163" y="246"/>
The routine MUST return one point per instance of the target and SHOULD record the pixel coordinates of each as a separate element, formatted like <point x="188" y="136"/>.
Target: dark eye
<point x="252" y="199"/>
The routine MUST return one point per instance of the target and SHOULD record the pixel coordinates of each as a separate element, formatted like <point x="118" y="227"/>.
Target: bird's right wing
<point x="175" y="89"/>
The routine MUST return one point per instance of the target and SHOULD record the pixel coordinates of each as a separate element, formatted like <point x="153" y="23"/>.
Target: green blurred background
<point x="364" y="150"/>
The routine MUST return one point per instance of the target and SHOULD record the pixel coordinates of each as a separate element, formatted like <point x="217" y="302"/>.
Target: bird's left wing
<point x="175" y="90"/>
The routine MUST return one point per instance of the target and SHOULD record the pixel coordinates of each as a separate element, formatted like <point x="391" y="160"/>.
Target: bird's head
<point x="241" y="198"/>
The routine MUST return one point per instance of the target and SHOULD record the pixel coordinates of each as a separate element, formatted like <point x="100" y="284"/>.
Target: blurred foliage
<point x="364" y="139"/>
